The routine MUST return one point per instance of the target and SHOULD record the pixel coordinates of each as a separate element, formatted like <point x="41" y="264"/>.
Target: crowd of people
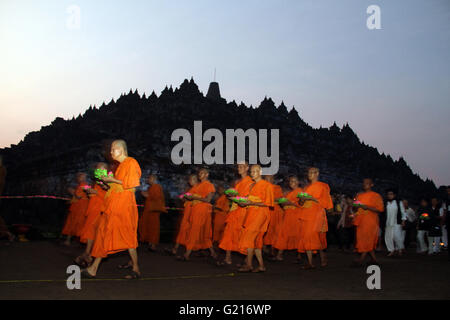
<point x="423" y="227"/>
<point x="254" y="217"/>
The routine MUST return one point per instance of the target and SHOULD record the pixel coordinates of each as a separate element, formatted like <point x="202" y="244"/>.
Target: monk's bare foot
<point x="324" y="263"/>
<point x="85" y="273"/>
<point x="245" y="268"/>
<point x="259" y="269"/>
<point x="66" y="243"/>
<point x="133" y="275"/>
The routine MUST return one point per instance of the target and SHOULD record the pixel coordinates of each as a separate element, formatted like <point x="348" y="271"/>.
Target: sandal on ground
<point x="133" y="275"/>
<point x="86" y="275"/>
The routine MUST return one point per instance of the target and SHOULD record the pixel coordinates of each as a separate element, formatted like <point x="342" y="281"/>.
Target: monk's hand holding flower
<point x="107" y="179"/>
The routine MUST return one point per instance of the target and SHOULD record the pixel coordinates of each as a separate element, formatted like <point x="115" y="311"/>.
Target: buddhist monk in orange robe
<point x="77" y="210"/>
<point x="149" y="227"/>
<point x="289" y="234"/>
<point x="220" y="208"/>
<point x="200" y="221"/>
<point x="95" y="207"/>
<point x="313" y="218"/>
<point x="276" y="214"/>
<point x="117" y="230"/>
<point x="235" y="217"/>
<point x="367" y="222"/>
<point x="256" y="220"/>
<point x="184" y="224"/>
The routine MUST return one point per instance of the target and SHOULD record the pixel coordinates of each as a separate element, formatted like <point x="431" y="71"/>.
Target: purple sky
<point x="391" y="85"/>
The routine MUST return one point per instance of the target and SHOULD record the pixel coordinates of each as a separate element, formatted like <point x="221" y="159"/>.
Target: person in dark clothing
<point x="345" y="227"/>
<point x="423" y="225"/>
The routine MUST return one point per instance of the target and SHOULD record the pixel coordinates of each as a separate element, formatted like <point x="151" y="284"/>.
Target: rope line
<point x="232" y="274"/>
<point x="62" y="198"/>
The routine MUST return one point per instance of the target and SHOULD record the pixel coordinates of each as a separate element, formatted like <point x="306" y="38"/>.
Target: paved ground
<point x="408" y="277"/>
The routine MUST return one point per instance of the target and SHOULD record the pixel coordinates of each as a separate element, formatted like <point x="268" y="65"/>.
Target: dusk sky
<point x="391" y="85"/>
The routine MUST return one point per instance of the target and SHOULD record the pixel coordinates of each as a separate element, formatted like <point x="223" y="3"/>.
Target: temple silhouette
<point x="47" y="160"/>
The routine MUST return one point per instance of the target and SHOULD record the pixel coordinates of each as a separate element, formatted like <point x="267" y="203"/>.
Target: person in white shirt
<point x="395" y="221"/>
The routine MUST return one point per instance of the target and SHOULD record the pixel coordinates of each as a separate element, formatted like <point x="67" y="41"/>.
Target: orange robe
<point x="185" y="220"/>
<point x="289" y="234"/>
<point x="220" y="215"/>
<point x="93" y="213"/>
<point x="200" y="226"/>
<point x="117" y="230"/>
<point x="235" y="218"/>
<point x="149" y="226"/>
<point x="313" y="218"/>
<point x="77" y="213"/>
<point x="257" y="218"/>
<point x="367" y="222"/>
<point x="276" y="214"/>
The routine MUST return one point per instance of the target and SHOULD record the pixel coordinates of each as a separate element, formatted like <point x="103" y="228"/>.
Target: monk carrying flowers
<point x="117" y="230"/>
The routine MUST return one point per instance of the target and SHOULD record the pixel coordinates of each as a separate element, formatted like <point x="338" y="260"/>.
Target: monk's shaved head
<point x="255" y="171"/>
<point x="313" y="174"/>
<point x="121" y="144"/>
<point x="119" y="150"/>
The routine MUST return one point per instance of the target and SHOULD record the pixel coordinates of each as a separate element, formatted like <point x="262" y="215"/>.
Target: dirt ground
<point x="37" y="270"/>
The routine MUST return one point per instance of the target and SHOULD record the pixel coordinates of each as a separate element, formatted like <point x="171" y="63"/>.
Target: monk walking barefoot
<point x="366" y="219"/>
<point x="117" y="230"/>
<point x="95" y="207"/>
<point x="77" y="210"/>
<point x="220" y="208"/>
<point x="289" y="233"/>
<point x="149" y="226"/>
<point x="182" y="234"/>
<point x="256" y="221"/>
<point x="276" y="214"/>
<point x="313" y="219"/>
<point x="235" y="217"/>
<point x="200" y="229"/>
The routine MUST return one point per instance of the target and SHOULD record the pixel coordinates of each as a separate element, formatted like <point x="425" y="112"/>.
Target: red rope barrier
<point x="62" y="198"/>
